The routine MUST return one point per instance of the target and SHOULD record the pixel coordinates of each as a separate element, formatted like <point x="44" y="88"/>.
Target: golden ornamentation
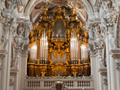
<point x="57" y="46"/>
<point x="59" y="13"/>
<point x="58" y="66"/>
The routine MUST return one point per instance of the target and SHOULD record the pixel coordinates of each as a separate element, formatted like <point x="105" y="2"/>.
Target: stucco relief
<point x="8" y="4"/>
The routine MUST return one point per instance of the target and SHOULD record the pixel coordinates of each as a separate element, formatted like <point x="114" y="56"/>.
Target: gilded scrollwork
<point x="59" y="15"/>
<point x="58" y="46"/>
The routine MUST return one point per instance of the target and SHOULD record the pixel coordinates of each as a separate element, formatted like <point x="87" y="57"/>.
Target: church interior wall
<point x="102" y="26"/>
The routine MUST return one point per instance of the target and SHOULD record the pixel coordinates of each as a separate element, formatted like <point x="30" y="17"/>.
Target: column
<point x="0" y="72"/>
<point x="115" y="53"/>
<point x="99" y="57"/>
<point x="93" y="62"/>
<point x="111" y="60"/>
<point x="113" y="74"/>
<point x="98" y="48"/>
<point x="5" y="76"/>
<point x="23" y="70"/>
<point x="8" y="60"/>
<point x="18" y="55"/>
<point x="118" y="74"/>
<point x="18" y="48"/>
<point x="108" y="62"/>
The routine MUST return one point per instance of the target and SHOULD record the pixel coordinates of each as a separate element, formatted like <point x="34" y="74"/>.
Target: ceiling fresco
<point x="38" y="9"/>
<point x="59" y="1"/>
<point x="39" y="5"/>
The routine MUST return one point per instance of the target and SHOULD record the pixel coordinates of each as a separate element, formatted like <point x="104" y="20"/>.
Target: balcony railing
<point x="71" y="83"/>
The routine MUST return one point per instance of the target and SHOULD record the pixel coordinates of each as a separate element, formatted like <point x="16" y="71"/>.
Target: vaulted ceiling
<point x="38" y="9"/>
<point x="34" y="8"/>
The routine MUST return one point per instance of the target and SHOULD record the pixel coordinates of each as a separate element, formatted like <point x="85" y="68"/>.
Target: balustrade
<point x="48" y="82"/>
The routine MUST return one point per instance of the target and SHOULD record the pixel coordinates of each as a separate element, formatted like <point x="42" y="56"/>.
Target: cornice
<point x="103" y="71"/>
<point x="14" y="71"/>
<point x="3" y="53"/>
<point x="115" y="53"/>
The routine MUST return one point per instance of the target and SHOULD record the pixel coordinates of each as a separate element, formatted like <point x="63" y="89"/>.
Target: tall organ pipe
<point x="42" y="46"/>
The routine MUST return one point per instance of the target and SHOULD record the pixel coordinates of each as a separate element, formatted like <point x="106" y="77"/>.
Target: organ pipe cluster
<point x="44" y="46"/>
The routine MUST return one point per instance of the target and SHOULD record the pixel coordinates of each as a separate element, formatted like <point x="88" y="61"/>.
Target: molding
<point x="103" y="71"/>
<point x="115" y="53"/>
<point x="14" y="71"/>
<point x="3" y="53"/>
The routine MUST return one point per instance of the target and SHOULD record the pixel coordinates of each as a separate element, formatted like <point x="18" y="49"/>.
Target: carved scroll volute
<point x="68" y="33"/>
<point x="59" y="13"/>
<point x="49" y="56"/>
<point x="68" y="59"/>
<point x="45" y="16"/>
<point x="72" y="16"/>
<point x="43" y="24"/>
<point x="49" y="33"/>
<point x="32" y="35"/>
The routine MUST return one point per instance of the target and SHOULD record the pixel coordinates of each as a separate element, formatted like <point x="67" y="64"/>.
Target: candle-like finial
<point x="73" y="10"/>
<point x="45" y="10"/>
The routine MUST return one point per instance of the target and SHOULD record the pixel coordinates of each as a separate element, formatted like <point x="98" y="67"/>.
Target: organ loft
<point x="58" y="45"/>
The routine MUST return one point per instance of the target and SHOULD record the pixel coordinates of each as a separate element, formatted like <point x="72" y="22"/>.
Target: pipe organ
<point x="58" y="46"/>
<point x="74" y="48"/>
<point x="43" y="54"/>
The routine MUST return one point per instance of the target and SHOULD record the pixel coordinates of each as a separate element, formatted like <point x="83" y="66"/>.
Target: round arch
<point x="33" y="3"/>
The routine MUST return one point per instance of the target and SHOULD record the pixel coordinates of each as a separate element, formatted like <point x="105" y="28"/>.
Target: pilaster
<point x="3" y="54"/>
<point x="108" y="23"/>
<point x="115" y="53"/>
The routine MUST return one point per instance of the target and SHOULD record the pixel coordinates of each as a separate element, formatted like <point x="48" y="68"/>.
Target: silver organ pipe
<point x="77" y="51"/>
<point x="40" y="50"/>
<point x="43" y="47"/>
<point x="46" y="48"/>
<point x="33" y="52"/>
<point x="71" y="48"/>
<point x="84" y="53"/>
<point x="74" y="48"/>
